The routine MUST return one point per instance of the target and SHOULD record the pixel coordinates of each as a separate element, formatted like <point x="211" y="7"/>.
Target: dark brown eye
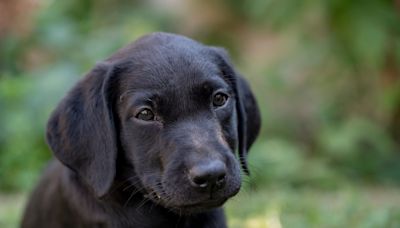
<point x="146" y="114"/>
<point x="220" y="99"/>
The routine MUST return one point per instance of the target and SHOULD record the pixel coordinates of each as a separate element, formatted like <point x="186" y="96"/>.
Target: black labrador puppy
<point x="147" y="139"/>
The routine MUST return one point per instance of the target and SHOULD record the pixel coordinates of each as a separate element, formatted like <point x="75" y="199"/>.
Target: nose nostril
<point x="200" y="182"/>
<point x="221" y="177"/>
<point x="220" y="180"/>
<point x="204" y="182"/>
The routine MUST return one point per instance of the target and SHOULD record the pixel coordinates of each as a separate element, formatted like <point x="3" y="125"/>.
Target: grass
<point x="349" y="206"/>
<point x="11" y="209"/>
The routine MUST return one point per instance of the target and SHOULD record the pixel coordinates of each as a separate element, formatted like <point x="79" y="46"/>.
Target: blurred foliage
<point x="327" y="83"/>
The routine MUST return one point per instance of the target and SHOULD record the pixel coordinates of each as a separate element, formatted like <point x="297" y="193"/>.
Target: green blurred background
<point x="326" y="74"/>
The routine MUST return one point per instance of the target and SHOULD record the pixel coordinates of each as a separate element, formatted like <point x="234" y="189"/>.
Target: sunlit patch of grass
<point x="285" y="207"/>
<point x="11" y="208"/>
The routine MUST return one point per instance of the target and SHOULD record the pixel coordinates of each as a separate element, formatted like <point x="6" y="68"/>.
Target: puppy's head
<point x="165" y="113"/>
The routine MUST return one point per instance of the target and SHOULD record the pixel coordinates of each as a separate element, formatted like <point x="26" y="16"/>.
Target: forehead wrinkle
<point x="167" y="63"/>
<point x="176" y="75"/>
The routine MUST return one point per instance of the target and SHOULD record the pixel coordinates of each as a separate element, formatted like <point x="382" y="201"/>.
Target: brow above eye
<point x="144" y="99"/>
<point x="139" y="99"/>
<point x="217" y="84"/>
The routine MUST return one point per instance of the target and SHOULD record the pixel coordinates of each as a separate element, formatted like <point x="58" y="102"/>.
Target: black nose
<point x="209" y="175"/>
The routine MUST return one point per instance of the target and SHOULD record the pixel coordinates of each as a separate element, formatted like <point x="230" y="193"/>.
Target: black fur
<point x="113" y="169"/>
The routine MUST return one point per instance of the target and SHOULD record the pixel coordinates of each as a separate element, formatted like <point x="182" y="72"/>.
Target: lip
<point x="197" y="207"/>
<point x="204" y="204"/>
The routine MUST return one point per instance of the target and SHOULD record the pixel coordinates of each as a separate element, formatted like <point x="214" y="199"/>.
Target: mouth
<point x="197" y="207"/>
<point x="160" y="198"/>
<point x="204" y="204"/>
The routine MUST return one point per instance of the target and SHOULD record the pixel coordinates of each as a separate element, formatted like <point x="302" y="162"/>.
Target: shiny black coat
<point x="147" y="139"/>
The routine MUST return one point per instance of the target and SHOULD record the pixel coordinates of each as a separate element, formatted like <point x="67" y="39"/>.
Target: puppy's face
<point x="165" y="113"/>
<point x="178" y="127"/>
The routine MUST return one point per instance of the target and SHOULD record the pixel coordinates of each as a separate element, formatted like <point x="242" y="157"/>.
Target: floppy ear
<point x="81" y="130"/>
<point x="248" y="113"/>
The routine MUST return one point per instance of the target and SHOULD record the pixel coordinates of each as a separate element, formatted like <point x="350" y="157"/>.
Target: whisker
<point x="127" y="201"/>
<point x="142" y="203"/>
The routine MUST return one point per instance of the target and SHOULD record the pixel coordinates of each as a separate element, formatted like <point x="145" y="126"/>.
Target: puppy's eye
<point x="146" y="115"/>
<point x="220" y="99"/>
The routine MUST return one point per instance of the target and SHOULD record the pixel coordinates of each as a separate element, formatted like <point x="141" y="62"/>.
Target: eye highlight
<point x="220" y="99"/>
<point x="145" y="114"/>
